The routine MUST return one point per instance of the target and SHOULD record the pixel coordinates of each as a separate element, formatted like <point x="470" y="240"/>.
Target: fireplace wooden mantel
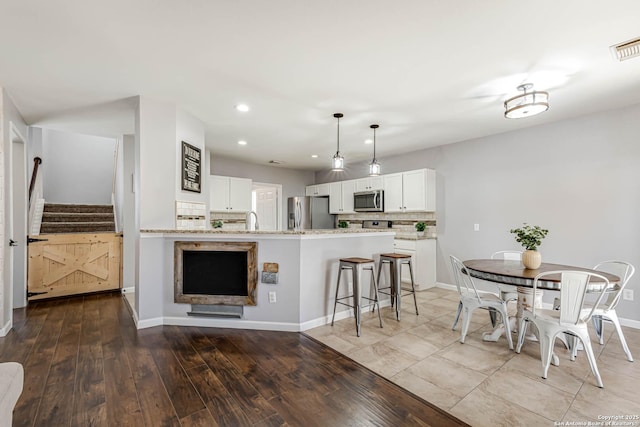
<point x="246" y="294"/>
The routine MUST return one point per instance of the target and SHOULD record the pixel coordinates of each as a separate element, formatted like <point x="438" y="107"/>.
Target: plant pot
<point x="531" y="259"/>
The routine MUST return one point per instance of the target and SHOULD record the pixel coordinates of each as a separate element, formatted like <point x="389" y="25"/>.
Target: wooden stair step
<point x="76" y="227"/>
<point x="76" y="217"/>
<point x="71" y="208"/>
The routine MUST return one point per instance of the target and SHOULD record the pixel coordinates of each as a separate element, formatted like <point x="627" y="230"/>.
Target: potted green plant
<point x="343" y="224"/>
<point x="217" y="224"/>
<point x="530" y="237"/>
<point x="420" y="227"/>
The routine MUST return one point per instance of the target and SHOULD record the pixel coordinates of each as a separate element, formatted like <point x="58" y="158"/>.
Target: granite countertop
<point x="270" y="232"/>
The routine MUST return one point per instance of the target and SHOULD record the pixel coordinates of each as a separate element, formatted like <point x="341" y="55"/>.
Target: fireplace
<point x="215" y="272"/>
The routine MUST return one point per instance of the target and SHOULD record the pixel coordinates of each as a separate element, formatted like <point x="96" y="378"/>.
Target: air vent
<point x="627" y="50"/>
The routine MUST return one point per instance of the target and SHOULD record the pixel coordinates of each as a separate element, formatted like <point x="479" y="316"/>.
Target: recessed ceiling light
<point x="242" y="108"/>
<point x="368" y="141"/>
<point x="242" y="142"/>
<point x="315" y="156"/>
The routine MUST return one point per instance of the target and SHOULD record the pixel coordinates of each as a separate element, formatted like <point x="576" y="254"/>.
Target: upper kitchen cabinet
<point x="341" y="197"/>
<point x="411" y="191"/>
<point x="229" y="194"/>
<point x="317" y="190"/>
<point x="370" y="183"/>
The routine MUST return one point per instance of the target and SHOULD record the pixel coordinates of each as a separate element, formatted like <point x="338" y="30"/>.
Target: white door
<point x="414" y="191"/>
<point x="335" y="197"/>
<point x="239" y="194"/>
<point x="393" y="192"/>
<point x="219" y="193"/>
<point x="348" y="188"/>
<point x="18" y="219"/>
<point x="266" y="207"/>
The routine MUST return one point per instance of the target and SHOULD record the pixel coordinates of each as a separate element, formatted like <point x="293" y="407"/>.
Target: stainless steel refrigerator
<point x="306" y="212"/>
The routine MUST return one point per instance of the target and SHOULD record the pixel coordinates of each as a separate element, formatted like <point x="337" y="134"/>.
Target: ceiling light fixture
<point x="242" y="108"/>
<point x="315" y="156"/>
<point x="337" y="163"/>
<point x="527" y="104"/>
<point x="368" y="141"/>
<point x="242" y="142"/>
<point x="374" y="166"/>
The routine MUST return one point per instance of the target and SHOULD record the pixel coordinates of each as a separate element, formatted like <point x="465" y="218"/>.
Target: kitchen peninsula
<point x="304" y="294"/>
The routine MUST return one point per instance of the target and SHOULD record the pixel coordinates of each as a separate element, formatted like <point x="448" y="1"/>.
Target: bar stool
<point x="395" y="262"/>
<point x="357" y="265"/>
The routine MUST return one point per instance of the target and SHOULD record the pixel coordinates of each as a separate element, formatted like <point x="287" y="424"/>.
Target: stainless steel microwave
<point x="368" y="201"/>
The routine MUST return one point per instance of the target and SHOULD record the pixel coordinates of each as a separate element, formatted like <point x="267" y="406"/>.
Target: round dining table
<point x="513" y="273"/>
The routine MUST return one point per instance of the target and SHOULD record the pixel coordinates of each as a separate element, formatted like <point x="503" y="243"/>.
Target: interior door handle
<point x="13" y="242"/>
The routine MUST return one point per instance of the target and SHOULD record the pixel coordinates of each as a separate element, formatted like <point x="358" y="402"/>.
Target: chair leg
<point x="586" y="343"/>
<point x="465" y="324"/>
<point x="455" y="321"/>
<point x="378" y="281"/>
<point x="335" y="304"/>
<point x="413" y="288"/>
<point x="507" y="327"/>
<point x="522" y="330"/>
<point x="493" y="315"/>
<point x="375" y="296"/>
<point x="546" y="351"/>
<point x="613" y="317"/>
<point x="597" y="325"/>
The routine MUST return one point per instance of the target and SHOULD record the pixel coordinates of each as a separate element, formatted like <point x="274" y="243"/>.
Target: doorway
<point x="265" y="202"/>
<point x="18" y="218"/>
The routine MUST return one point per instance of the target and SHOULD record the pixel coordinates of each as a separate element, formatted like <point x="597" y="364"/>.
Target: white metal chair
<point x="471" y="299"/>
<point x="507" y="293"/>
<point x="607" y="310"/>
<point x="571" y="319"/>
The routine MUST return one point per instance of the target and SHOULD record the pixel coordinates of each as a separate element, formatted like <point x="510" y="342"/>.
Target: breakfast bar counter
<point x="307" y="272"/>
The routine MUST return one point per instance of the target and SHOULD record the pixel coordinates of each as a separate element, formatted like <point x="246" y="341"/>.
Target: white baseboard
<point x="216" y="322"/>
<point x="635" y="324"/>
<point x="6" y="328"/>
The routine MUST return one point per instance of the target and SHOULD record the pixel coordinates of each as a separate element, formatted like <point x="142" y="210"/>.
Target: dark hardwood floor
<point x="87" y="365"/>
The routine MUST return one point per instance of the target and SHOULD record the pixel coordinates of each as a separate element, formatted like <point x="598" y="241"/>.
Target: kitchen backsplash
<point x="230" y="221"/>
<point x="402" y="222"/>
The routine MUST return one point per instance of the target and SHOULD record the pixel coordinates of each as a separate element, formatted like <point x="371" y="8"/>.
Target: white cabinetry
<point x="423" y="258"/>
<point x="341" y="197"/>
<point x="317" y="190"/>
<point x="228" y="194"/>
<point x="412" y="191"/>
<point x="370" y="183"/>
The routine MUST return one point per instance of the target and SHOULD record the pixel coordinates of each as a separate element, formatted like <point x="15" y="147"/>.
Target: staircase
<point x="63" y="218"/>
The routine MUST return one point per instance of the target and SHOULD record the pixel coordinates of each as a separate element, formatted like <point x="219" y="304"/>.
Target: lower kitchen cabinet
<point x="423" y="258"/>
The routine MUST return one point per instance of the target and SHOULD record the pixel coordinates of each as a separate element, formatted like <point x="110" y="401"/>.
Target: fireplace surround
<point x="209" y="272"/>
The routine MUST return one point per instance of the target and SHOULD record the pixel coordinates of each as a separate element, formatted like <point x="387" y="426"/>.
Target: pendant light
<point x="527" y="104"/>
<point x="337" y="162"/>
<point x="374" y="166"/>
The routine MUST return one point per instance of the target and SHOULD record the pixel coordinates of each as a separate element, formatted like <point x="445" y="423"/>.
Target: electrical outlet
<point x="272" y="296"/>
<point x="627" y="294"/>
<point x="476" y="227"/>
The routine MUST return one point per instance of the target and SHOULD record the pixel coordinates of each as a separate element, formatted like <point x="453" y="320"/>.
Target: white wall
<point x="8" y="115"/>
<point x="160" y="130"/>
<point x="293" y="181"/>
<point x="77" y="168"/>
<point x="128" y="212"/>
<point x="579" y="178"/>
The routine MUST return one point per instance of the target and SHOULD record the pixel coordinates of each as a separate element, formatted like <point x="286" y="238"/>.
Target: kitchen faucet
<point x="247" y="222"/>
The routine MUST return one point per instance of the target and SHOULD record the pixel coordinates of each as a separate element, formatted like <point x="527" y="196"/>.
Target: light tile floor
<point x="485" y="383"/>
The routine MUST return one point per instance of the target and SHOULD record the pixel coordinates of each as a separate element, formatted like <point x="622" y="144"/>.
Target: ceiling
<point x="428" y="72"/>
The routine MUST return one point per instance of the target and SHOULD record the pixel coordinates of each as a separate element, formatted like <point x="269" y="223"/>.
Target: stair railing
<point x="36" y="201"/>
<point x="34" y="175"/>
